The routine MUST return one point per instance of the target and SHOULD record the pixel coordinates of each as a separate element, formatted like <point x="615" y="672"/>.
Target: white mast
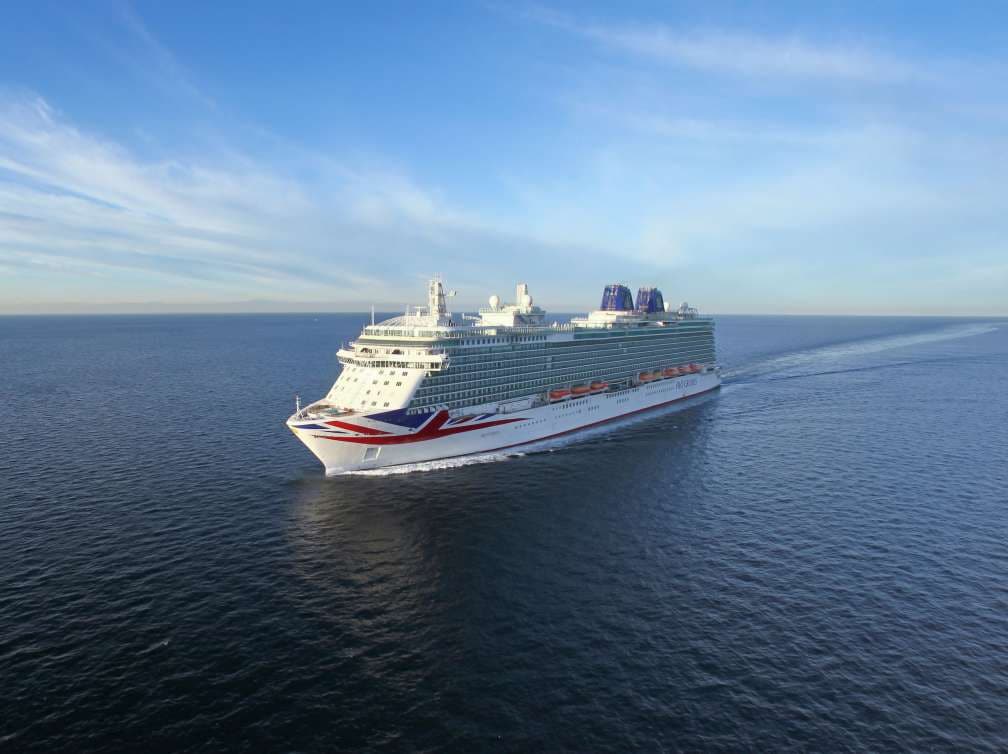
<point x="435" y="297"/>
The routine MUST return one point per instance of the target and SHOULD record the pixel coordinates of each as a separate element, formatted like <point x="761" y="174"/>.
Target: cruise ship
<point x="431" y="384"/>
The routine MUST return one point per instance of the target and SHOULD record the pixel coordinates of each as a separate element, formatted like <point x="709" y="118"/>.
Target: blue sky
<point x="793" y="158"/>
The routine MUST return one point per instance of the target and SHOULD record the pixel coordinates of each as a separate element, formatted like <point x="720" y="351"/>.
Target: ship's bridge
<point x="365" y="354"/>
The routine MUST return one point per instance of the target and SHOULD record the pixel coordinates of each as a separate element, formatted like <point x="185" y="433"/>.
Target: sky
<point x="782" y="158"/>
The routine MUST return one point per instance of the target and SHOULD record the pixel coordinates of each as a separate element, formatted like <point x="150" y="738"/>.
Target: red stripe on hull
<point x="355" y="428"/>
<point x="595" y="424"/>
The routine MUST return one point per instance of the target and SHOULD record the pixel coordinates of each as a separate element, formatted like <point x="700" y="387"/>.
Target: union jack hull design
<point x="368" y="442"/>
<point x="437" y="426"/>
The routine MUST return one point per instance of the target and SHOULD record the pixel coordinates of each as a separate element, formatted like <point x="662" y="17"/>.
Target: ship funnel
<point x="650" y="300"/>
<point x="616" y="298"/>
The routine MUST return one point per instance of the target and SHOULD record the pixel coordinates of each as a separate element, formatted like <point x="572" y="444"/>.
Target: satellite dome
<point x="494" y="302"/>
<point x="526" y="300"/>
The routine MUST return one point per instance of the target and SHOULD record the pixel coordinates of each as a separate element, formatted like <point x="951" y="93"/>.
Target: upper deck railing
<point x="461" y="332"/>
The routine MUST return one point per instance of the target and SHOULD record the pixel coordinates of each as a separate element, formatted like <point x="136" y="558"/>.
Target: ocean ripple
<point x="811" y="563"/>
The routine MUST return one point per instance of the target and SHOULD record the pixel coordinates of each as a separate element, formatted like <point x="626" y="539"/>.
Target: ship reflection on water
<point x="443" y="536"/>
<point x="431" y="587"/>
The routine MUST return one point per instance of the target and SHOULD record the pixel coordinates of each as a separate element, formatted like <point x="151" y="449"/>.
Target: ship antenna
<point x="372" y="314"/>
<point x="297" y="403"/>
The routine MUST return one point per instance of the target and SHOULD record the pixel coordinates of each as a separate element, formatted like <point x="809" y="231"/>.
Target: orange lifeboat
<point x="657" y="374"/>
<point x="645" y="377"/>
<point x="670" y="372"/>
<point x="559" y="395"/>
<point x="694" y="368"/>
<point x="578" y="390"/>
<point x="598" y="386"/>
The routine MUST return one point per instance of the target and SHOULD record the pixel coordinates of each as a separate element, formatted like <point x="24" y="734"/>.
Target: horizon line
<point x="394" y="312"/>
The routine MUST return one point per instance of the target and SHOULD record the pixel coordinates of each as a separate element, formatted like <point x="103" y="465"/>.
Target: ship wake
<point x="838" y="357"/>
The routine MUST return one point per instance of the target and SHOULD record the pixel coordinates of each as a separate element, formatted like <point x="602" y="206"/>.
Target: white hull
<point x="369" y="449"/>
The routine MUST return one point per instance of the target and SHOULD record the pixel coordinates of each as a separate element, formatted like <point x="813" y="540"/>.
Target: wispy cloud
<point x="128" y="40"/>
<point x="70" y="196"/>
<point x="737" y="53"/>
<point x="712" y="157"/>
<point x="74" y="203"/>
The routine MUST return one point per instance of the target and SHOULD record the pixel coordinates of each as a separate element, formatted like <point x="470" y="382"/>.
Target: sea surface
<point x="813" y="558"/>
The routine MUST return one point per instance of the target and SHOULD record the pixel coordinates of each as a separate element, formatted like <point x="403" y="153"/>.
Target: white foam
<point x="827" y="357"/>
<point x="444" y="463"/>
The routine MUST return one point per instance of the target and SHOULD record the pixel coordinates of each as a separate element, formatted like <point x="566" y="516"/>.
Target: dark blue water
<point x="814" y="558"/>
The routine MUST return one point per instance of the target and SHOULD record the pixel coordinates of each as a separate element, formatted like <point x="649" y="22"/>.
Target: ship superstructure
<point x="430" y="384"/>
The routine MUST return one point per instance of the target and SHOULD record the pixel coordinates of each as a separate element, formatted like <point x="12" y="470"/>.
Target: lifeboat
<point x="694" y="368"/>
<point x="656" y="374"/>
<point x="670" y="372"/>
<point x="559" y="395"/>
<point x="645" y="377"/>
<point x="598" y="386"/>
<point x="578" y="390"/>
